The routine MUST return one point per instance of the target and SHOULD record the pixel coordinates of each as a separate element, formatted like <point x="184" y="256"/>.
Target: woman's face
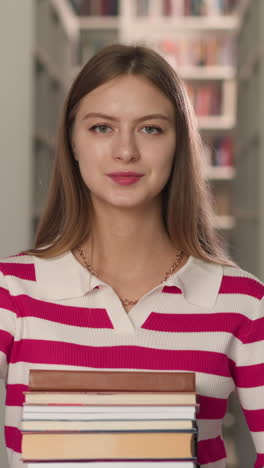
<point x="124" y="140"/>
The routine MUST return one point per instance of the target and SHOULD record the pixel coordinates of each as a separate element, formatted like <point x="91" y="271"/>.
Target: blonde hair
<point x="187" y="203"/>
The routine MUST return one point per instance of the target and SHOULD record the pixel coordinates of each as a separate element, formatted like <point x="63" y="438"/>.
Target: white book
<point x="137" y="425"/>
<point x="179" y="409"/>
<point x="51" y="415"/>
<point x="107" y="398"/>
<point x="115" y="464"/>
<point x="83" y="412"/>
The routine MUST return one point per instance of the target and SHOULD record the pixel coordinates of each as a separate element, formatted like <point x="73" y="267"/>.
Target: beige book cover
<point x="109" y="445"/>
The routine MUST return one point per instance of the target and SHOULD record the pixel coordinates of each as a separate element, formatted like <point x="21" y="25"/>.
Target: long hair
<point x="187" y="202"/>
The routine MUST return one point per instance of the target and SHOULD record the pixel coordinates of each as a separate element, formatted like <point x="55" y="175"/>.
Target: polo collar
<point x="63" y="277"/>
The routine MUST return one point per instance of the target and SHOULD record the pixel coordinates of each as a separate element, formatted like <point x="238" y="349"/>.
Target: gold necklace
<point x="127" y="302"/>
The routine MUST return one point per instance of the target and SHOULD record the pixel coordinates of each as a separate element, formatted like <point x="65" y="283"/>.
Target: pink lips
<point x="125" y="178"/>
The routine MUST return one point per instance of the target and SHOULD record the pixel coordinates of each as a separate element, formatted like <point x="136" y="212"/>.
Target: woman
<point x="127" y="272"/>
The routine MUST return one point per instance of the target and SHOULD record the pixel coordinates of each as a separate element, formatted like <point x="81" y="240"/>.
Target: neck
<point x="130" y="242"/>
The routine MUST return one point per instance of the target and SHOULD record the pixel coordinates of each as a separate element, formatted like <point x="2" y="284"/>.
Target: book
<point x="220" y="151"/>
<point x="108" y="445"/>
<point x="173" y="8"/>
<point x="222" y="200"/>
<point x="109" y="425"/>
<point x="224" y="152"/>
<point x="53" y="380"/>
<point x="115" y="464"/>
<point x="72" y="413"/>
<point x="107" y="398"/>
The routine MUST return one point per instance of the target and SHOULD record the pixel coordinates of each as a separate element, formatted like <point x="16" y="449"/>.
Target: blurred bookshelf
<point x="55" y="41"/>
<point x="249" y="192"/>
<point x="198" y="38"/>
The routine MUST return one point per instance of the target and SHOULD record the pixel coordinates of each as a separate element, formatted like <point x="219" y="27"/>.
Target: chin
<point x="128" y="202"/>
<point x="125" y="203"/>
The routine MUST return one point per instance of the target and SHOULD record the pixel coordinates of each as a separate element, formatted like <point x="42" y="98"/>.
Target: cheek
<point x="87" y="169"/>
<point x="90" y="155"/>
<point x="164" y="164"/>
<point x="166" y="158"/>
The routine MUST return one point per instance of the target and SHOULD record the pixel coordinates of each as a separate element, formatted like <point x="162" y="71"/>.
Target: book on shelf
<point x="206" y="99"/>
<point x="198" y="7"/>
<point x="94" y="381"/>
<point x="96" y="7"/>
<point x="220" y="151"/>
<point x="108" y="445"/>
<point x="223" y="152"/>
<point x="173" y="8"/>
<point x="222" y="200"/>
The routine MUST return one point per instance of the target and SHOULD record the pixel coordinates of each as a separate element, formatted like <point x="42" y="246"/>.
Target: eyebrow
<point x="110" y="117"/>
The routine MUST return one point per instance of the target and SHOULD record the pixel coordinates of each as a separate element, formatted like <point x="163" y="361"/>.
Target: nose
<point x="126" y="148"/>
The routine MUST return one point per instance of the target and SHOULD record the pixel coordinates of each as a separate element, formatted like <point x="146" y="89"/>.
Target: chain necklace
<point x="127" y="302"/>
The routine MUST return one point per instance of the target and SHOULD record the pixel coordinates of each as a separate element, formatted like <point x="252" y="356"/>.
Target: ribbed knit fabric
<point x="205" y="318"/>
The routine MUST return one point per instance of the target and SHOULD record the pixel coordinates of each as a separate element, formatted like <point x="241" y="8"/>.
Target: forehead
<point x="126" y="93"/>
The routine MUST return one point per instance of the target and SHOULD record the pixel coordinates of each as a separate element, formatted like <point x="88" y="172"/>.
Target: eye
<point x="151" y="130"/>
<point x="101" y="128"/>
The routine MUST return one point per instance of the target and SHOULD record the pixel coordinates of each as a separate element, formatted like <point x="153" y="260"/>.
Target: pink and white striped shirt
<point x="205" y="318"/>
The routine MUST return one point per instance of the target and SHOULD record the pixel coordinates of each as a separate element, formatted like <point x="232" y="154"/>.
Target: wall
<point x="16" y="43"/>
<point x="16" y="52"/>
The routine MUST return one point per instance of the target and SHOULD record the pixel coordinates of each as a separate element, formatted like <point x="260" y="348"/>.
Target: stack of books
<point x="98" y="419"/>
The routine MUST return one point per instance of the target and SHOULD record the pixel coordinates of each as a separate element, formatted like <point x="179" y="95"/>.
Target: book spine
<point x="41" y="380"/>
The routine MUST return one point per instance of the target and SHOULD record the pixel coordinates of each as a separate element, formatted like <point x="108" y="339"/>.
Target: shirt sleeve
<point x="7" y="326"/>
<point x="249" y="378"/>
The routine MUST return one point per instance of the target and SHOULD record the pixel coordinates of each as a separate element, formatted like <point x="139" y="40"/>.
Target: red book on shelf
<point x="227" y="148"/>
<point x="203" y="101"/>
<point x="187" y="7"/>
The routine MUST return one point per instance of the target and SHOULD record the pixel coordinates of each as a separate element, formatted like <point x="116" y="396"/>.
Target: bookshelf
<point x="55" y="40"/>
<point x="249" y="193"/>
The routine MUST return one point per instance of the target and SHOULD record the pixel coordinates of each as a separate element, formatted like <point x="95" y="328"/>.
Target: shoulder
<point x="16" y="271"/>
<point x="241" y="282"/>
<point x="19" y="265"/>
<point x="42" y="278"/>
